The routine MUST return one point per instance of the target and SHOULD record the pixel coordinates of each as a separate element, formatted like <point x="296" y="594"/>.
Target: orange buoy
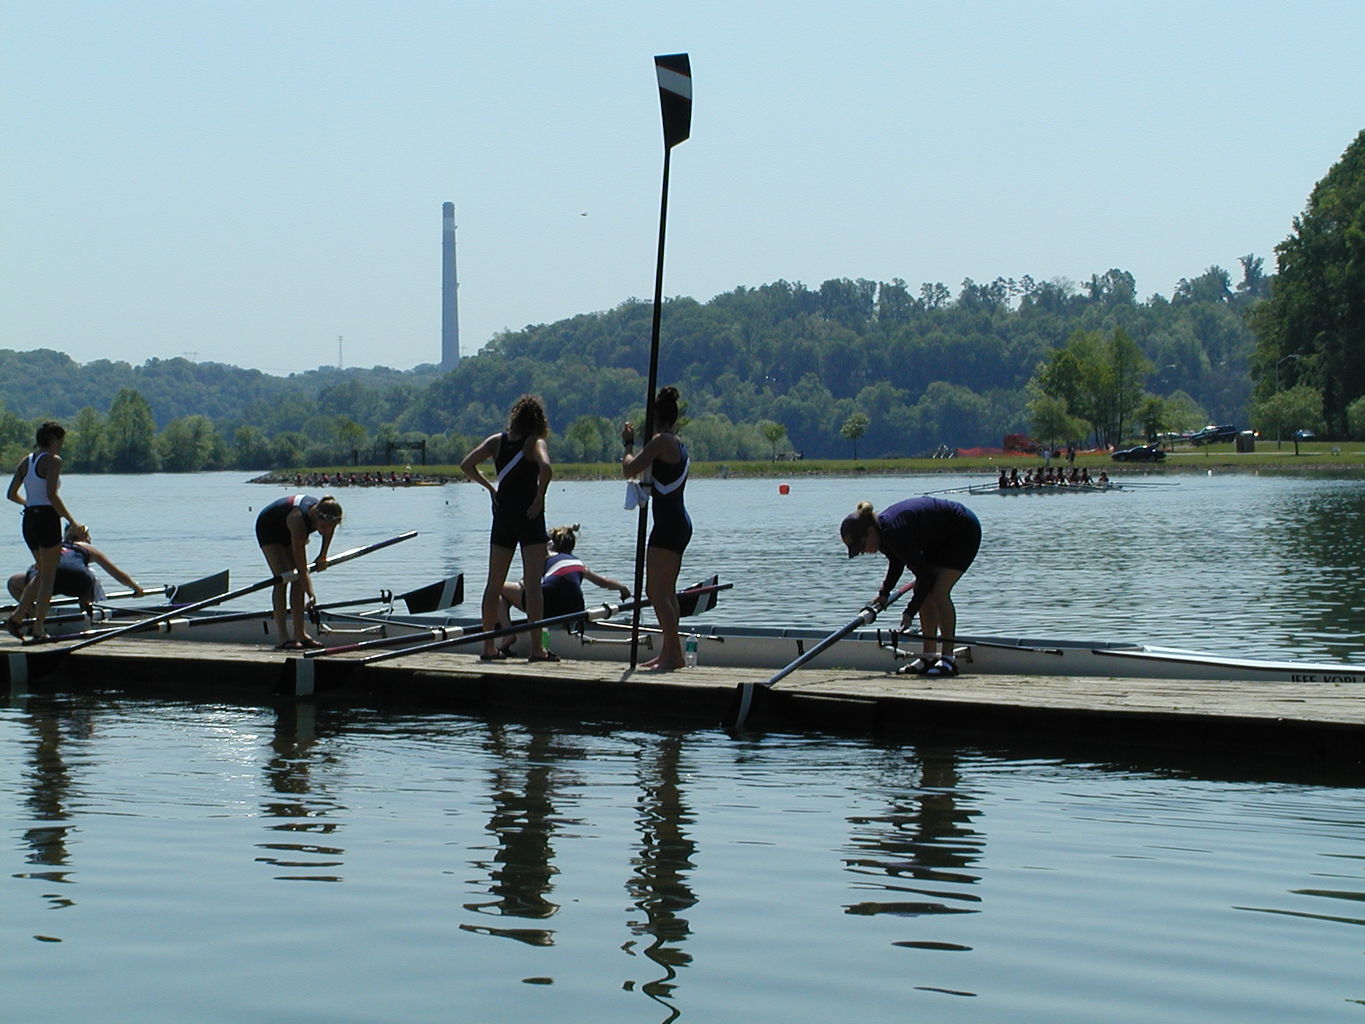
<point x="783" y="489"/>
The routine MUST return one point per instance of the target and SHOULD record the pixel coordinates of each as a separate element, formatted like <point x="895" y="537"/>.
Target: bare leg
<point x="533" y="568"/>
<point x="661" y="587"/>
<point x="297" y="597"/>
<point x="499" y="559"/>
<point x="280" y="560"/>
<point x="938" y="615"/>
<point x="48" y="560"/>
<point x="511" y="598"/>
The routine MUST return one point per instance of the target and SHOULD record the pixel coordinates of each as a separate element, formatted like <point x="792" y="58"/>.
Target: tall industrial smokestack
<point x="450" y="303"/>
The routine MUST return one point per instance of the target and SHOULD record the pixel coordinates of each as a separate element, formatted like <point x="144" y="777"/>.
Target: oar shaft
<point x="865" y="617"/>
<point x="603" y="611"/>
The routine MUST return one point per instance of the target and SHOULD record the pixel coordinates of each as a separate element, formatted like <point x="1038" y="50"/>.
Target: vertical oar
<point x="674" y="72"/>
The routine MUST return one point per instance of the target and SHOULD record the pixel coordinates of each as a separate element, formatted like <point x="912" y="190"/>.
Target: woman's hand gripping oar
<point x="745" y="691"/>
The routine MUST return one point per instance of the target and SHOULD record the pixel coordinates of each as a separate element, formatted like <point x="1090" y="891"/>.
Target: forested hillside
<point x="780" y="367"/>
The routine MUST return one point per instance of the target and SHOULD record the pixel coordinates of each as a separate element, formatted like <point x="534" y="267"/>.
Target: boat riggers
<point x="421" y="600"/>
<point x="152" y="621"/>
<point x="744" y="693"/>
<point x="455" y="636"/>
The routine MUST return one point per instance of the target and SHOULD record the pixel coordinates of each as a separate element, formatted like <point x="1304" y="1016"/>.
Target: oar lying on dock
<point x="745" y="691"/>
<point x="151" y="621"/>
<point x="451" y="636"/>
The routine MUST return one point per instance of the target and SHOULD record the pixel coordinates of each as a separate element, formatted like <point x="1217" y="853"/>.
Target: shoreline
<point x="1345" y="462"/>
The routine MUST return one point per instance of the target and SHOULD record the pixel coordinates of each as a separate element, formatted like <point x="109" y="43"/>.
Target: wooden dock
<point x="1317" y="719"/>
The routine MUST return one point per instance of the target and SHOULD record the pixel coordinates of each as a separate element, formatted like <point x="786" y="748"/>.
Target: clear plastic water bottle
<point x="690" y="650"/>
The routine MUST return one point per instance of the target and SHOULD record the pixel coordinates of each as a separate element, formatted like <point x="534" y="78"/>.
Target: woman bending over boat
<point x="664" y="459"/>
<point x="40" y="476"/>
<point x="282" y="531"/>
<point x="937" y="540"/>
<point x="522" y="461"/>
<point x="562" y="584"/>
<point x="74" y="578"/>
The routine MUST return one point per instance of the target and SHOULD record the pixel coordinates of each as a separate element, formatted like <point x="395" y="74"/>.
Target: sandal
<point x="945" y="666"/>
<point x="918" y="667"/>
<point x="497" y="655"/>
<point x="547" y="656"/>
<point x="41" y="638"/>
<point x="15" y="627"/>
<point x="309" y="643"/>
<point x="289" y="645"/>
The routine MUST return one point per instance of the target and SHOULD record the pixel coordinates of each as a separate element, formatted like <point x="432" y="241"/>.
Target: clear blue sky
<point x="247" y="181"/>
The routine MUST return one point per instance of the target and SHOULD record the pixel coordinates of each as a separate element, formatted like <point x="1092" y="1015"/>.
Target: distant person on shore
<point x="938" y="540"/>
<point x="562" y="584"/>
<point x="39" y="475"/>
<point x="522" y="461"/>
<point x="664" y="459"/>
<point x="282" y="531"/>
<point x="74" y="578"/>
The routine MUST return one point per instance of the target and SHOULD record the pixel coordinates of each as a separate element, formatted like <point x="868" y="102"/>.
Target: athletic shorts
<point x="68" y="582"/>
<point x="42" y="527"/>
<point x="959" y="551"/>
<point x="513" y="530"/>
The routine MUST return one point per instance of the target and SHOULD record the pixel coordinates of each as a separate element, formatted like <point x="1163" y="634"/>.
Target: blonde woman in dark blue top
<point x="522" y="461"/>
<point x="664" y="459"/>
<point x="935" y="539"/>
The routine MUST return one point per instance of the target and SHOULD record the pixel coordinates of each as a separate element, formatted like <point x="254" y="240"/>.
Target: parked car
<point x="1139" y="453"/>
<point x="1213" y="434"/>
<point x="1305" y="435"/>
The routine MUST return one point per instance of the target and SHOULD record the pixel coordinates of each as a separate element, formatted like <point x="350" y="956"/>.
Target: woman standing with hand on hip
<point x="522" y="460"/>
<point x="664" y="457"/>
<point x="938" y="541"/>
<point x="40" y="476"/>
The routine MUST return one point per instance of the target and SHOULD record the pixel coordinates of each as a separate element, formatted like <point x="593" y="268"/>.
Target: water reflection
<point x="924" y="843"/>
<point x="659" y="886"/>
<point x="291" y="795"/>
<point x="51" y="725"/>
<point x="522" y="822"/>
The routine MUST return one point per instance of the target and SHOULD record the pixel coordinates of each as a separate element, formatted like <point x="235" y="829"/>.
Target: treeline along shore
<point x="1312" y="457"/>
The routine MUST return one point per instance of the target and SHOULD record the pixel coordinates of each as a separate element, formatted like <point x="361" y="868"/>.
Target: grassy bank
<point x="1346" y="458"/>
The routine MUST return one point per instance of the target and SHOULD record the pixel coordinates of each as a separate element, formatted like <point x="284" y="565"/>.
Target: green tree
<point x="132" y="434"/>
<point x="1316" y="307"/>
<point x="190" y="444"/>
<point x="1051" y="421"/>
<point x="773" y="432"/>
<point x="1355" y="419"/>
<point x="854" y="427"/>
<point x="251" y="448"/>
<point x="1296" y="408"/>
<point x="87" y="447"/>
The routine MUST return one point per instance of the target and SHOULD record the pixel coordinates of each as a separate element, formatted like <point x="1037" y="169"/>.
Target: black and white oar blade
<point x="675" y="96"/>
<point x="445" y="594"/>
<point x="699" y="598"/>
<point x="198" y="590"/>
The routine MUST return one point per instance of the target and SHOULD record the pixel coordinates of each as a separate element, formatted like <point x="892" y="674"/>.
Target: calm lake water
<point x="166" y="862"/>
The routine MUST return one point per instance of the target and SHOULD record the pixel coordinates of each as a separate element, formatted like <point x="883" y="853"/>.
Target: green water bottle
<point x="545" y="638"/>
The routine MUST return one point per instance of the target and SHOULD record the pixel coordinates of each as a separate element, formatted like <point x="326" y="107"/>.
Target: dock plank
<point x="1312" y="713"/>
